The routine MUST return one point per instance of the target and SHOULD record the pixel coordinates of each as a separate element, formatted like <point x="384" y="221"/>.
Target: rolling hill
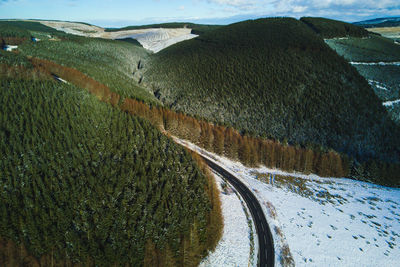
<point x="276" y="78"/>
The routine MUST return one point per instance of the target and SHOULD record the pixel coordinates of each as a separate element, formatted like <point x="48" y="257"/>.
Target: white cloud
<point x="338" y="8"/>
<point x="299" y="9"/>
<point x="237" y="4"/>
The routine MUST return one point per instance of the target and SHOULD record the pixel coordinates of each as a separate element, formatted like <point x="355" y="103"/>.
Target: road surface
<point x="266" y="254"/>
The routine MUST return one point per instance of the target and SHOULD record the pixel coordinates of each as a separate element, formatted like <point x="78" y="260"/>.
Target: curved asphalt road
<point x="266" y="255"/>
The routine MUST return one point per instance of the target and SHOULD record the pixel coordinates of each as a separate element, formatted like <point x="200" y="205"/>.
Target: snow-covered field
<point x="325" y="221"/>
<point x="234" y="247"/>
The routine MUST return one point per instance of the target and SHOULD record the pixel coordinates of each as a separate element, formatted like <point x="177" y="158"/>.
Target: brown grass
<point x="20" y="72"/>
<point x="286" y="256"/>
<point x="271" y="210"/>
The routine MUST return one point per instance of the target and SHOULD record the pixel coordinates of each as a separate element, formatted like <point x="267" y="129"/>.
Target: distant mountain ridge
<point x="379" y="22"/>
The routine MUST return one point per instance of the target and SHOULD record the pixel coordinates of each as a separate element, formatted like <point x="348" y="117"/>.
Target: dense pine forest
<point x="329" y="28"/>
<point x="86" y="184"/>
<point x="276" y="78"/>
<point x="249" y="150"/>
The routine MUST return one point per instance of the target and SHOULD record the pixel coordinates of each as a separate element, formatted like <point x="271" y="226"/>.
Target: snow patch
<point x="376" y="63"/>
<point x="378" y="85"/>
<point x="337" y="38"/>
<point x="391" y="103"/>
<point x="10" y="47"/>
<point x="75" y="28"/>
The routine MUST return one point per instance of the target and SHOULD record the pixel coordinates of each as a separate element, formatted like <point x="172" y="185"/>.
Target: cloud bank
<point x="332" y="8"/>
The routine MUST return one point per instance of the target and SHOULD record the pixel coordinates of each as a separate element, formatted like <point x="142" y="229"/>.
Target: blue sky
<point x="133" y="12"/>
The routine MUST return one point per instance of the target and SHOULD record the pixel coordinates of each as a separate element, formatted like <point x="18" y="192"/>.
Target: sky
<point x="115" y="13"/>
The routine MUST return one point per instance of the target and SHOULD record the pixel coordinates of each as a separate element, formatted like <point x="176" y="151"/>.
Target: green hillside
<point x="110" y="62"/>
<point x="84" y="183"/>
<point x="329" y="28"/>
<point x="113" y="63"/>
<point x="384" y="79"/>
<point x="29" y="26"/>
<point x="371" y="49"/>
<point x="275" y="78"/>
<point x="10" y="35"/>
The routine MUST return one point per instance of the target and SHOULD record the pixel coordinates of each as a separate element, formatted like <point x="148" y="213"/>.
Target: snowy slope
<point x="157" y="39"/>
<point x="325" y="221"/>
<point x="234" y="246"/>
